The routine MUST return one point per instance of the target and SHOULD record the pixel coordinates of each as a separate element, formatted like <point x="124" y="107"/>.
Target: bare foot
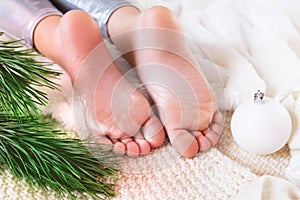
<point x="74" y="42"/>
<point x="186" y="103"/>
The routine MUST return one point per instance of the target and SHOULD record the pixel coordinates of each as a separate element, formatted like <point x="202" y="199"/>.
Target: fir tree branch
<point x="20" y="73"/>
<point x="32" y="150"/>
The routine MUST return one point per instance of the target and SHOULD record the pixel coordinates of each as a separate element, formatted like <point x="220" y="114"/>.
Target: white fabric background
<point x="243" y="46"/>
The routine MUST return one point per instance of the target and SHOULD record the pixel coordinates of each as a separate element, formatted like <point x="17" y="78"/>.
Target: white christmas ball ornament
<point x="262" y="126"/>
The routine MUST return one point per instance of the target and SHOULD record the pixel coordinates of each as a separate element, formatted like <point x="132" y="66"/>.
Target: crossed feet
<point x="187" y="106"/>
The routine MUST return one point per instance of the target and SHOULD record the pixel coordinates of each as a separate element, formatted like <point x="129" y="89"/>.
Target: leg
<point x="193" y="122"/>
<point x="192" y="119"/>
<point x="19" y="19"/>
<point x="188" y="131"/>
<point x="71" y="47"/>
<point x="68" y="40"/>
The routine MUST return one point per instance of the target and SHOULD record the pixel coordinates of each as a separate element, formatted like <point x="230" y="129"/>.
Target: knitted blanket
<point x="220" y="173"/>
<point x="242" y="41"/>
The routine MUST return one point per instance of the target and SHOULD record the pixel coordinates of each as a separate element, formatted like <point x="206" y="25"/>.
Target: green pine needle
<point x="19" y="74"/>
<point x="32" y="150"/>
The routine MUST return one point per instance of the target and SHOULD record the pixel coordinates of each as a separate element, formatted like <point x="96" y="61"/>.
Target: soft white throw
<point x="242" y="46"/>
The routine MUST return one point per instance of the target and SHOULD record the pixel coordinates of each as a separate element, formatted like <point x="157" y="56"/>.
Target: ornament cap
<point x="259" y="97"/>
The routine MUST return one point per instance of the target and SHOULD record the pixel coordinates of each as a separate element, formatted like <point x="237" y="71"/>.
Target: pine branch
<point x="32" y="150"/>
<point x="20" y="73"/>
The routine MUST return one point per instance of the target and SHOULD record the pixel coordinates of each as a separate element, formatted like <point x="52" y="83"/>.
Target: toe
<point x="104" y="142"/>
<point x="184" y="142"/>
<point x="212" y="137"/>
<point x="218" y="118"/>
<point x="217" y="128"/>
<point x="153" y="132"/>
<point x="119" y="148"/>
<point x="144" y="146"/>
<point x="132" y="149"/>
<point x="102" y="139"/>
<point x="203" y="141"/>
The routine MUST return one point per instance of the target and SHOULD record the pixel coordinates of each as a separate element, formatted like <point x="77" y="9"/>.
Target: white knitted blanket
<point x="221" y="174"/>
<point x="248" y="43"/>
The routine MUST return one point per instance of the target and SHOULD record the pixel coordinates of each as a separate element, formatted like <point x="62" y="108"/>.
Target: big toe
<point x="211" y="135"/>
<point x="154" y="132"/>
<point x="184" y="142"/>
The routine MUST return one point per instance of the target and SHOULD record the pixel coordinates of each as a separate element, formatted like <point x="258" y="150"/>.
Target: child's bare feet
<point x="186" y="103"/>
<point x="74" y="42"/>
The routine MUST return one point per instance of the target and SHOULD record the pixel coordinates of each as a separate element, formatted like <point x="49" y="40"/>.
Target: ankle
<point x="45" y="36"/>
<point x="160" y="17"/>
